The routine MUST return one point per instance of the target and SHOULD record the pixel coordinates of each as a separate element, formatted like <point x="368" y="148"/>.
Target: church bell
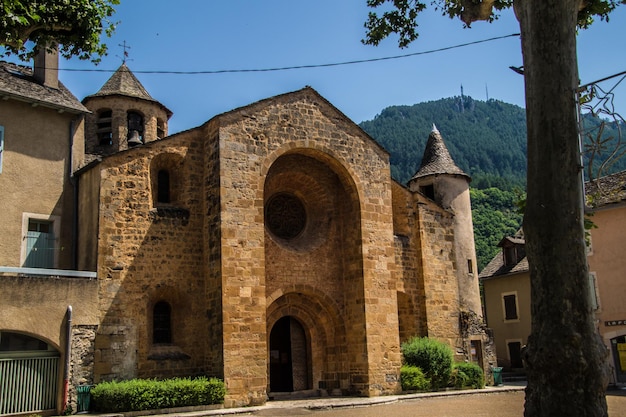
<point x="134" y="139"/>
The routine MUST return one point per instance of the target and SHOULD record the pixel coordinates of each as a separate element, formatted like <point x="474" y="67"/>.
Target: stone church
<point x="269" y="247"/>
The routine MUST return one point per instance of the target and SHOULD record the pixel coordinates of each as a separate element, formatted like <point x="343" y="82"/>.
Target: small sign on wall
<point x="610" y="323"/>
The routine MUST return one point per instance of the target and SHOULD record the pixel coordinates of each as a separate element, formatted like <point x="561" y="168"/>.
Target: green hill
<point x="487" y="140"/>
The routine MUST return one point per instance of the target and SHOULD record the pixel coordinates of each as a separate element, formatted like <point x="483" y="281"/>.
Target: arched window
<point x="162" y="323"/>
<point x="135" y="128"/>
<point x="160" y="129"/>
<point x="163" y="186"/>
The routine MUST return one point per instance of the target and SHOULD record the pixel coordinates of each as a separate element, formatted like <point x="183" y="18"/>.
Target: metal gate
<point x="28" y="382"/>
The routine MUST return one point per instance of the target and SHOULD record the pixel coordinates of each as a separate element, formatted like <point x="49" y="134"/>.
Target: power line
<point x="295" y="67"/>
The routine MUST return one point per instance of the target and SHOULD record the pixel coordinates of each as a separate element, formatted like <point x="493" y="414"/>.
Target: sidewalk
<point x="325" y="403"/>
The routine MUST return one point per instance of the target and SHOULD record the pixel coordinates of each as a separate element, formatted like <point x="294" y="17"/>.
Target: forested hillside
<point x="487" y="140"/>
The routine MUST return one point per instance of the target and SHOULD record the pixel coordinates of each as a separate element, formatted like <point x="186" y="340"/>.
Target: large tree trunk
<point x="565" y="358"/>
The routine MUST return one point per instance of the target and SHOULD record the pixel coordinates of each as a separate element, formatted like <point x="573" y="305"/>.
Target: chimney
<point x="46" y="68"/>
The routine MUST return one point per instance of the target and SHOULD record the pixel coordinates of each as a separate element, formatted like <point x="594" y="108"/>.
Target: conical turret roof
<point x="437" y="159"/>
<point x="123" y="82"/>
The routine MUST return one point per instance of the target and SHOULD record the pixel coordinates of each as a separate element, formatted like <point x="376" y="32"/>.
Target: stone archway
<point x="312" y="325"/>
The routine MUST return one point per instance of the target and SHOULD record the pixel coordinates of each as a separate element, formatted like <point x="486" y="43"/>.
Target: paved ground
<point x="504" y="404"/>
<point x="507" y="401"/>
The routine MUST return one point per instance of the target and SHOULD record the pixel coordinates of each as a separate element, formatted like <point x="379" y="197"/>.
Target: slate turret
<point x="441" y="180"/>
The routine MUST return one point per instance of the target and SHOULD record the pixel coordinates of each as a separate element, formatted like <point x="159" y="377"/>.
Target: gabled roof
<point x="607" y="190"/>
<point x="17" y="82"/>
<point x="437" y="159"/>
<point x="307" y="93"/>
<point x="123" y="82"/>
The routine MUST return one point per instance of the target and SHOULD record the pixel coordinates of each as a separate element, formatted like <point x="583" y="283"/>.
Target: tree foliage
<point x="76" y="26"/>
<point x="400" y="16"/>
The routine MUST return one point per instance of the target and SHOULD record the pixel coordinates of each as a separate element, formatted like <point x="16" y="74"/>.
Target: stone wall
<point x="81" y="360"/>
<point x="149" y="253"/>
<point x="299" y="144"/>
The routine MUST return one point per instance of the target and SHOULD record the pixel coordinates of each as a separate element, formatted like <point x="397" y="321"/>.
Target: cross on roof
<point x="124" y="47"/>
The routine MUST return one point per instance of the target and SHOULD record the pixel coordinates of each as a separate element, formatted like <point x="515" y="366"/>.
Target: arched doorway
<point x="289" y="356"/>
<point x="29" y="369"/>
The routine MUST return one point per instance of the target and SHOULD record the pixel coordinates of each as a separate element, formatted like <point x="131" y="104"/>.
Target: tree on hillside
<point x="566" y="360"/>
<point x="75" y="26"/>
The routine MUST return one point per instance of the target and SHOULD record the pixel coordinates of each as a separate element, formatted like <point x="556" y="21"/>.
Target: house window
<point x="509" y="304"/>
<point x="105" y="131"/>
<point x="162" y="323"/>
<point x="40" y="244"/>
<point x="593" y="291"/>
<point x="163" y="186"/>
<point x="470" y="267"/>
<point x="1" y="146"/>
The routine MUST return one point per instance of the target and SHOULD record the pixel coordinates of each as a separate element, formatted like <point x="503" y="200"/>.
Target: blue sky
<point x="207" y="35"/>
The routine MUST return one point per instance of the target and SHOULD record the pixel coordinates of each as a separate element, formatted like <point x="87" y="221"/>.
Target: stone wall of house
<point x="149" y="253"/>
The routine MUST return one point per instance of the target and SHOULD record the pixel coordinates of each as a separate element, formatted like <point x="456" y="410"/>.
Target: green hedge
<point x="433" y="357"/>
<point x="412" y="379"/>
<point x="151" y="394"/>
<point x="467" y="375"/>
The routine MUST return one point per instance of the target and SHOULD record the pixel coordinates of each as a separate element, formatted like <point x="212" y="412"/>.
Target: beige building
<point x="268" y="247"/>
<point x="506" y="292"/>
<point x="506" y="280"/>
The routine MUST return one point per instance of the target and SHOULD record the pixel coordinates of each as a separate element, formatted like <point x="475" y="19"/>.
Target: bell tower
<point x="123" y="115"/>
<point x="441" y="180"/>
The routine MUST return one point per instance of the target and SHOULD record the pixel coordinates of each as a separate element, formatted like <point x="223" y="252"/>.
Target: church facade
<point x="269" y="247"/>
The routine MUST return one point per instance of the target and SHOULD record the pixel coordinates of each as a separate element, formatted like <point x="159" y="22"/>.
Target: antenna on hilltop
<point x="124" y="48"/>
<point x="486" y="91"/>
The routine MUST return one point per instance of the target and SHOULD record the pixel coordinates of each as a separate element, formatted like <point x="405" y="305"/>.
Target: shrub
<point x="458" y="378"/>
<point x="474" y="376"/>
<point x="150" y="394"/>
<point x="412" y="379"/>
<point x="434" y="358"/>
